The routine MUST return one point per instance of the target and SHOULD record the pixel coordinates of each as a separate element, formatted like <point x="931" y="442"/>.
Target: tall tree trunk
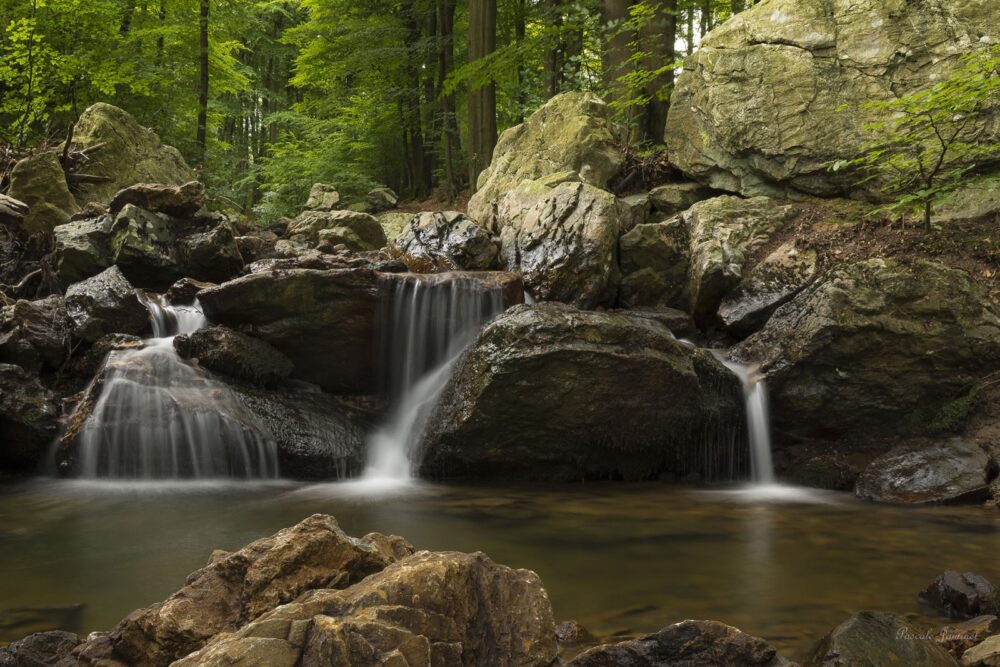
<point x="413" y="105"/>
<point x="617" y="47"/>
<point x="520" y="31"/>
<point x="706" y="17"/>
<point x="554" y="57"/>
<point x="658" y="42"/>
<point x="203" y="82"/>
<point x="159" y="40"/>
<point x="690" y="30"/>
<point x="449" y="121"/>
<point x="482" y="99"/>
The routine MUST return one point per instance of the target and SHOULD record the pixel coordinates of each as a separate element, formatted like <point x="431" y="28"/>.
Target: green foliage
<point x="928" y="142"/>
<point x="953" y="417"/>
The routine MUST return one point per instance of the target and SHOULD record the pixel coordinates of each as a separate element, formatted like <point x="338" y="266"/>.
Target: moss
<point x="953" y="417"/>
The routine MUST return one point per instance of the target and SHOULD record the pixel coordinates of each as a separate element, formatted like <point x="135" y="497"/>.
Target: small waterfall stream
<point x="159" y="417"/>
<point x="427" y="322"/>
<point x="758" y="422"/>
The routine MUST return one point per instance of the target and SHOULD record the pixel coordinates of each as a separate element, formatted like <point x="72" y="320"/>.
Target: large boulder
<point x="29" y="420"/>
<point x="776" y="94"/>
<point x="35" y="334"/>
<point x="324" y="321"/>
<point x="381" y="199"/>
<point x="104" y="304"/>
<point x="181" y="201"/>
<point x="358" y="231"/>
<point x="874" y="346"/>
<point x="691" y="644"/>
<point x="235" y="354"/>
<point x="323" y="197"/>
<point x="564" y="242"/>
<point x="144" y="247"/>
<point x="879" y="638"/>
<point x="83" y="248"/>
<point x="552" y="392"/>
<point x="39" y="182"/>
<point x="952" y="470"/>
<point x="572" y="132"/>
<point x="213" y="255"/>
<point x="236" y="588"/>
<point x="447" y="241"/>
<point x="428" y="610"/>
<point x="124" y="153"/>
<point x="961" y="595"/>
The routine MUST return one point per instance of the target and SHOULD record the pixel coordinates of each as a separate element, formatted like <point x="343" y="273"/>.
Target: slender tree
<point x="203" y="80"/>
<point x="482" y="97"/>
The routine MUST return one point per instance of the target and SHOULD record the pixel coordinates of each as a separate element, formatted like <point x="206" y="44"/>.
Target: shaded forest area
<point x="271" y="96"/>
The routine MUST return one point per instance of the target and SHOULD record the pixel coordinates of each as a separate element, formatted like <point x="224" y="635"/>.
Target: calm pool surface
<point x="618" y="558"/>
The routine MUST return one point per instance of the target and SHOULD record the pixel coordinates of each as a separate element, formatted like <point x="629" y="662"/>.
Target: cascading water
<point x="427" y="322"/>
<point x="758" y="422"/>
<point x="158" y="417"/>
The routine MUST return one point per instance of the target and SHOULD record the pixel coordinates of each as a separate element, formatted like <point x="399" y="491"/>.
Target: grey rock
<point x="445" y="241"/>
<point x="961" y="595"/>
<point x="879" y="638"/>
<point x="104" y="304"/>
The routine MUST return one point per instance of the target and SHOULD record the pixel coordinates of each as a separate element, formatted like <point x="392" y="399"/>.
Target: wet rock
<point x="235" y="354"/>
<point x="572" y="132"/>
<point x="572" y="633"/>
<point x="674" y="198"/>
<point x="39" y="182"/>
<point x="655" y="259"/>
<point x="256" y="244"/>
<point x="678" y="322"/>
<point x="986" y="654"/>
<point x="358" y="231"/>
<point x="446" y="241"/>
<point x="127" y="154"/>
<point x="104" y="304"/>
<point x="144" y="247"/>
<point x="41" y="649"/>
<point x="962" y="595"/>
<point x="879" y="638"/>
<point x="237" y="589"/>
<point x="959" y="637"/>
<point x="34" y="334"/>
<point x="186" y="290"/>
<point x="565" y="245"/>
<point x="634" y="210"/>
<point x="213" y="255"/>
<point x="29" y="420"/>
<point x="691" y="643"/>
<point x="381" y="199"/>
<point x="724" y="233"/>
<point x="86" y="366"/>
<point x="323" y="197"/>
<point x="430" y="609"/>
<point x="178" y="201"/>
<point x="83" y="248"/>
<point x="775" y="280"/>
<point x="514" y="409"/>
<point x="323" y="320"/>
<point x="873" y="347"/>
<point x="12" y="213"/>
<point x="953" y="470"/>
<point x="774" y="96"/>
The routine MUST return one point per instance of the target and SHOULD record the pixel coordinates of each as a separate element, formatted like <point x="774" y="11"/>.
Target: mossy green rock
<point x="776" y="94"/>
<point x="130" y="154"/>
<point x="874" y="346"/>
<point x="571" y="133"/>
<point x="39" y="182"/>
<point x="556" y="393"/>
<point x="358" y="231"/>
<point x="144" y="246"/>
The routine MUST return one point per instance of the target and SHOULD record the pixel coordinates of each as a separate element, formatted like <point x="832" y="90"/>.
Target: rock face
<point x="29" y="419"/>
<point x="514" y="408"/>
<point x="104" y="304"/>
<point x="674" y="198"/>
<point x="962" y="595"/>
<point x="428" y="610"/>
<point x="565" y="244"/>
<point x="358" y="231"/>
<point x="879" y="638"/>
<point x="130" y="154"/>
<point x="35" y="334"/>
<point x="572" y="132"/>
<point x="178" y="201"/>
<point x="875" y="345"/>
<point x="39" y="182"/>
<point x="235" y="354"/>
<point x="236" y="588"/>
<point x="322" y="320"/>
<point x="655" y="259"/>
<point x="950" y="471"/>
<point x="447" y="241"/>
<point x="691" y="643"/>
<point x="757" y="108"/>
<point x="83" y="248"/>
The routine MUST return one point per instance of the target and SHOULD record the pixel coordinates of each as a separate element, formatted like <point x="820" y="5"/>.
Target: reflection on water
<point x="620" y="559"/>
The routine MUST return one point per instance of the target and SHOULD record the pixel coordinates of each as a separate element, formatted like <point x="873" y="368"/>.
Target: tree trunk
<point x="483" y="99"/>
<point x="658" y="38"/>
<point x="706" y="17"/>
<point x="202" y="139"/>
<point x="520" y="31"/>
<point x="554" y="57"/>
<point x="412" y="102"/>
<point x="449" y="121"/>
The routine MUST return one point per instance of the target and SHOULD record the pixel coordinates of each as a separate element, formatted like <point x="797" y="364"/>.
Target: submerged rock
<point x="775" y="95"/>
<point x="879" y="638"/>
<point x="104" y="304"/>
<point x="181" y="201"/>
<point x="235" y="354"/>
<point x="949" y="471"/>
<point x="875" y="346"/>
<point x="691" y="644"/>
<point x="237" y="588"/>
<point x="447" y="241"/>
<point x="552" y="392"/>
<point x="962" y="595"/>
<point x="39" y="182"/>
<point x="571" y="133"/>
<point x="426" y="610"/>
<point x="29" y="419"/>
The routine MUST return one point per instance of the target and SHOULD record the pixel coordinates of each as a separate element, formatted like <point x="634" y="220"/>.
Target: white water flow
<point x="157" y="417"/>
<point x="427" y="322"/>
<point x="758" y="422"/>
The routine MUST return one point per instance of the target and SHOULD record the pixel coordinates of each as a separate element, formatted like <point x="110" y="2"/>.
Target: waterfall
<point x="427" y="322"/>
<point x="758" y="422"/>
<point x="159" y="417"/>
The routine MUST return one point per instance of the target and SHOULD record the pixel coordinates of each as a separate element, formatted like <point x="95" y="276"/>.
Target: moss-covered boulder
<point x="358" y="231"/>
<point x="776" y="94"/>
<point x="876" y="346"/>
<point x="552" y="392"/>
<point x="39" y="182"/>
<point x="572" y="132"/>
<point x="128" y="154"/>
